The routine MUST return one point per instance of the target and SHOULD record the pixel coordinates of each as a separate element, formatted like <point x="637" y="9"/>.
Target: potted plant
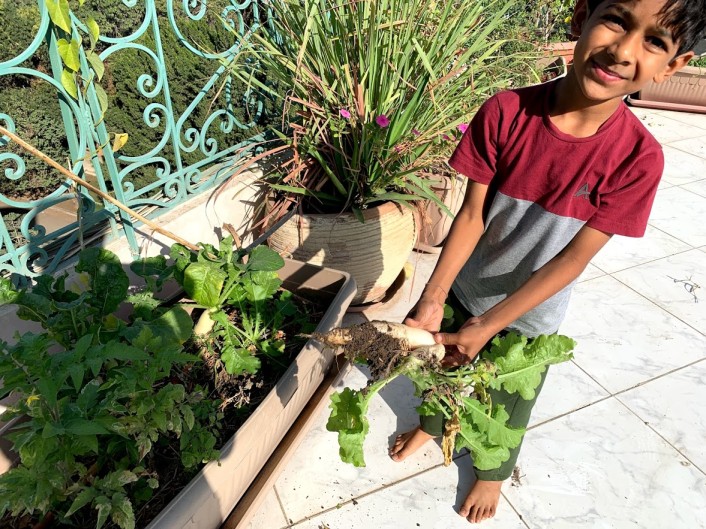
<point x="684" y="91"/>
<point x="370" y="89"/>
<point x="106" y="401"/>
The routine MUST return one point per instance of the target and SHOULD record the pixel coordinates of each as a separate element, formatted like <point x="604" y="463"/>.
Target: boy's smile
<point x="623" y="46"/>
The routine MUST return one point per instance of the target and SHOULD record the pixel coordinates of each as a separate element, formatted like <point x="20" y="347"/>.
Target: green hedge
<point x="34" y="107"/>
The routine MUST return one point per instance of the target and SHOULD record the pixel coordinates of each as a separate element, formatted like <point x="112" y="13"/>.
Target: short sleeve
<point x="625" y="210"/>
<point x="477" y="152"/>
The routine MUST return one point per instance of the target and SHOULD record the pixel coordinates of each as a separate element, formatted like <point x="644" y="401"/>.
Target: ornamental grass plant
<point x="373" y="92"/>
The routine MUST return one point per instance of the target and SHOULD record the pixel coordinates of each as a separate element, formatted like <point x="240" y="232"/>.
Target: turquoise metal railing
<point x="28" y="247"/>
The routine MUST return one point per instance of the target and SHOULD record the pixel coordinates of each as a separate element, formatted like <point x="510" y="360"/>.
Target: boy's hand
<point x="463" y="346"/>
<point x="426" y="314"/>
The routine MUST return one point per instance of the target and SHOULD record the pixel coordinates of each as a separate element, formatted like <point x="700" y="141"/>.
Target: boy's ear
<point x="579" y="17"/>
<point x="674" y="66"/>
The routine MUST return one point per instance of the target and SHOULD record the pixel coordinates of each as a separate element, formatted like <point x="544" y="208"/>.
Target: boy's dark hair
<point x="686" y="19"/>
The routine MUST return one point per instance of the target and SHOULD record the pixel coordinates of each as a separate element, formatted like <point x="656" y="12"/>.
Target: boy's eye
<point x="613" y="20"/>
<point x="657" y="42"/>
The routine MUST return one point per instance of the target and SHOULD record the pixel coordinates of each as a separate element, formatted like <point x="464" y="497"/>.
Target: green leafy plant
<point x="244" y="308"/>
<point x="373" y="87"/>
<point x="97" y="396"/>
<point x="513" y="363"/>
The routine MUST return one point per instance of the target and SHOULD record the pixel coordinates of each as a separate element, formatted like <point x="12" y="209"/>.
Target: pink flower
<point x="463" y="127"/>
<point x="382" y="120"/>
<point x="344" y="113"/>
<point x="398" y="148"/>
<point x="416" y="132"/>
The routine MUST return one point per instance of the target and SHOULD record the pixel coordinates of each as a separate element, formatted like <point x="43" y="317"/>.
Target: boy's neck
<point x="573" y="114"/>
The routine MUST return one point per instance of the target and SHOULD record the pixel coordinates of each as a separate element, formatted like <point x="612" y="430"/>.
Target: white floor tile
<point x="672" y="405"/>
<point x="695" y="145"/>
<point x="656" y="282"/>
<point x="591" y="272"/>
<point x="428" y="501"/>
<point x="626" y="252"/>
<point x="698" y="187"/>
<point x="601" y="468"/>
<point x="697" y="120"/>
<point x="316" y="479"/>
<point x="566" y="389"/>
<point x="667" y="130"/>
<point x="624" y="339"/>
<point x="680" y="213"/>
<point x="270" y="514"/>
<point x="681" y="167"/>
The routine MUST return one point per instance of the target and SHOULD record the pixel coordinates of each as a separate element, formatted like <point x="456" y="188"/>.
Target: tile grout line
<point x="649" y="425"/>
<point x="610" y="393"/>
<point x="355" y="499"/>
<point x="281" y="506"/>
<point x="699" y="331"/>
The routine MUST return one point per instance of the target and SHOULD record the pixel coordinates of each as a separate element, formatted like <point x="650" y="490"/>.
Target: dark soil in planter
<point x="239" y="396"/>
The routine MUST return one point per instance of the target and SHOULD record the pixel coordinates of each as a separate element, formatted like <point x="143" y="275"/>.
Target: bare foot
<point x="408" y="443"/>
<point x="482" y="501"/>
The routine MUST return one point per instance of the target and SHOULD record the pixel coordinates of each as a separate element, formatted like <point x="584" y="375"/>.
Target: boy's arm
<point x="466" y="229"/>
<point x="541" y="285"/>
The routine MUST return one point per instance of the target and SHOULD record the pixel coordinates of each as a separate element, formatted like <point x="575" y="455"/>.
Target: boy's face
<point x="622" y="47"/>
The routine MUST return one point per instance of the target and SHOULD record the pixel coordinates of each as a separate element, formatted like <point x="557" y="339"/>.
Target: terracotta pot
<point x="685" y="91"/>
<point x="373" y="252"/>
<point x="435" y="223"/>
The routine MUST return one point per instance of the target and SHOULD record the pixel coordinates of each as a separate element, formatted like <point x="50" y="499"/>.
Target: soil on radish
<point x="382" y="351"/>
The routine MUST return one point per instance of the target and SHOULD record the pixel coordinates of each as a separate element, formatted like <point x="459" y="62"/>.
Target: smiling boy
<point x="555" y="170"/>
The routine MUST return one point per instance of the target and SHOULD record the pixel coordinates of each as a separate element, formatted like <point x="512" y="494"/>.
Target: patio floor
<point x="618" y="436"/>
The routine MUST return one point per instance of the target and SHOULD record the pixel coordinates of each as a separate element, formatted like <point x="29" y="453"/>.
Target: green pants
<point x="518" y="408"/>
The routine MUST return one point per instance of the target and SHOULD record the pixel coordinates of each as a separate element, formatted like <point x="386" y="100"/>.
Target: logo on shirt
<point x="584" y="192"/>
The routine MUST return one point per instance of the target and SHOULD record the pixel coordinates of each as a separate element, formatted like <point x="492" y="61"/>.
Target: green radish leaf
<point x="492" y="423"/>
<point x="520" y="364"/>
<point x="486" y="456"/>
<point x="348" y="418"/>
<point x="59" y="14"/>
<point x="109" y="282"/>
<point x="8" y="293"/>
<point x="264" y="259"/>
<point x="203" y="282"/>
<point x="68" y="81"/>
<point x="96" y="63"/>
<point x="68" y="51"/>
<point x="93" y="32"/>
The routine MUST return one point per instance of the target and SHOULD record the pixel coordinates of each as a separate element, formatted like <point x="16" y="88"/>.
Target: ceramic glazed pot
<point x="373" y="252"/>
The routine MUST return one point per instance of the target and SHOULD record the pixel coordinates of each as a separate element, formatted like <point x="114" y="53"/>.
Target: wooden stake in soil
<point x="63" y="170"/>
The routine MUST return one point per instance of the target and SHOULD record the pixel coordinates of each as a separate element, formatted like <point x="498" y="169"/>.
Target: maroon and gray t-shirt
<point x="545" y="185"/>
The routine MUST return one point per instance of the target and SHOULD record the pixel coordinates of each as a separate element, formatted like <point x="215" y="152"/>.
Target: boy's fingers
<point x="447" y="338"/>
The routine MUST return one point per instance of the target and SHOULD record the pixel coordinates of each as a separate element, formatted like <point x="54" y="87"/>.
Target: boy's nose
<point x="622" y="50"/>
